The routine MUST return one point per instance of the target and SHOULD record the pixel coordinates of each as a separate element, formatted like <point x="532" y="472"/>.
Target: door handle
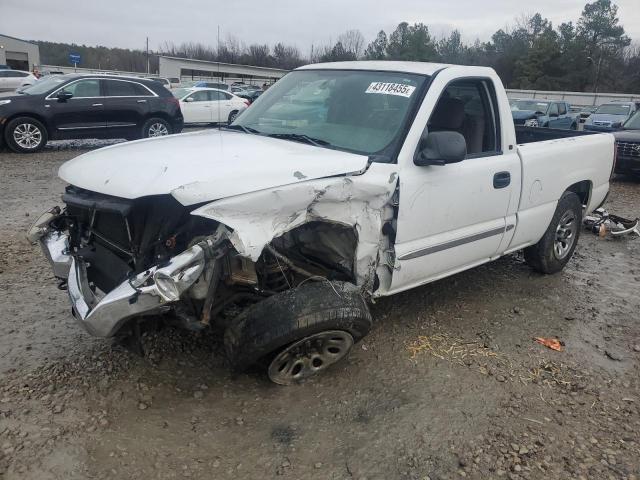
<point x="141" y="101"/>
<point x="96" y="105"/>
<point x="501" y="180"/>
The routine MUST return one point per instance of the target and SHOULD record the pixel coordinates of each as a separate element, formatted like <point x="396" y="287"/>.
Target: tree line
<point x="592" y="54"/>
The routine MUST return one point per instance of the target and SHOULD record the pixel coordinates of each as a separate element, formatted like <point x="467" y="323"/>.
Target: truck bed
<point x="536" y="134"/>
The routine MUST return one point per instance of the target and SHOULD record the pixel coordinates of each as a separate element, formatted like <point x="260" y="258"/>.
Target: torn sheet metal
<point x="601" y="222"/>
<point x="360" y="201"/>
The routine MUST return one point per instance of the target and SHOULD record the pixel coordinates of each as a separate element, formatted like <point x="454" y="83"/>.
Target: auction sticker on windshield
<point x="399" y="89"/>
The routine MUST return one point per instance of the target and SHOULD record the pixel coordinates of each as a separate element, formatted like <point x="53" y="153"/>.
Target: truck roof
<point x="423" y="68"/>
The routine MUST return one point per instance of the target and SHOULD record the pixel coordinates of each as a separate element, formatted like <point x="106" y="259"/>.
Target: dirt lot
<point x="449" y="384"/>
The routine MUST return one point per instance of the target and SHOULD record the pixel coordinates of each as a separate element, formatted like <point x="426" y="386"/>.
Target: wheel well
<point x="324" y="247"/>
<point x="583" y="190"/>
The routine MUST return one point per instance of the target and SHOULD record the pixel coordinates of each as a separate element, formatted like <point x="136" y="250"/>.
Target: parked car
<point x="610" y="116"/>
<point x="628" y="146"/>
<point x="581" y="113"/>
<point x="252" y="95"/>
<point x="209" y="105"/>
<point x="162" y="81"/>
<point x="87" y="106"/>
<point x="278" y="232"/>
<point x="206" y="84"/>
<point x="12" y="80"/>
<point x="542" y="113"/>
<point x="174" y="82"/>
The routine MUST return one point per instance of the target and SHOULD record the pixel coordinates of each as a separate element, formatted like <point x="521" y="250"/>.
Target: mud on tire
<point x="284" y="318"/>
<point x="552" y="253"/>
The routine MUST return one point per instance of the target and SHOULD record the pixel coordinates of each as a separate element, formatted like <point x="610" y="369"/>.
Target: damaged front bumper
<point x="148" y="293"/>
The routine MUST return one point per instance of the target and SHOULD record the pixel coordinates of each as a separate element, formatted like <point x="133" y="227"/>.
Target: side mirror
<point x="190" y="99"/>
<point x="63" y="95"/>
<point x="441" y="148"/>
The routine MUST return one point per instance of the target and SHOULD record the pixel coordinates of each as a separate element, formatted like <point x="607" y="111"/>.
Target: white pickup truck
<point x="342" y="183"/>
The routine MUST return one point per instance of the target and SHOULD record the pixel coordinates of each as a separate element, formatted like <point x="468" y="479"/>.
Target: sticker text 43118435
<point x="385" y="88"/>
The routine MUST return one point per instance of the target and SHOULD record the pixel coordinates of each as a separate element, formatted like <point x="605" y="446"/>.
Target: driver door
<point x="83" y="114"/>
<point x="454" y="216"/>
<point x="196" y="108"/>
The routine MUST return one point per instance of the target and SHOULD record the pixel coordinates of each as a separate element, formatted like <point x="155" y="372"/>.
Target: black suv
<point x="87" y="106"/>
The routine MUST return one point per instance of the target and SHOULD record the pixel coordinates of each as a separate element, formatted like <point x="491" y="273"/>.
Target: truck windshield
<point x="613" y="109"/>
<point x="357" y="111"/>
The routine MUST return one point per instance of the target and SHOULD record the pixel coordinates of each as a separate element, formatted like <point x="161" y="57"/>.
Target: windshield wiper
<point x="241" y="128"/>
<point x="300" y="137"/>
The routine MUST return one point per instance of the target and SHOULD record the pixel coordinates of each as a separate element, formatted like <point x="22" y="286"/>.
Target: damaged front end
<point x="153" y="258"/>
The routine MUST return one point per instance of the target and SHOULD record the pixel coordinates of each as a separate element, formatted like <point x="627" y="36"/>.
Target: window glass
<point x="613" y="109"/>
<point x="117" y="88"/>
<point x="215" y="95"/>
<point x="562" y="108"/>
<point x="4" y="74"/>
<point x="84" y="88"/>
<point x="15" y="74"/>
<point x="553" y="110"/>
<point x="201" y="96"/>
<point x="358" y="111"/>
<point x="468" y="107"/>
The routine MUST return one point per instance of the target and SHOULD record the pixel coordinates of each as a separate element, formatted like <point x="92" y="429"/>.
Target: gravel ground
<point x="449" y="384"/>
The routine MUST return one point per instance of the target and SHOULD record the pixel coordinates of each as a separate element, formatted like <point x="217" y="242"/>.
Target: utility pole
<point x="147" y="55"/>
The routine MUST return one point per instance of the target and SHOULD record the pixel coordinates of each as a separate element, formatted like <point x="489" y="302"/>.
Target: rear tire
<point x="156" y="127"/>
<point x="232" y="116"/>
<point x="555" y="248"/>
<point x="25" y="135"/>
<point x="300" y="318"/>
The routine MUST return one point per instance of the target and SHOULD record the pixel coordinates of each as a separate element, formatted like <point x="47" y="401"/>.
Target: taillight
<point x="247" y="103"/>
<point x="173" y="100"/>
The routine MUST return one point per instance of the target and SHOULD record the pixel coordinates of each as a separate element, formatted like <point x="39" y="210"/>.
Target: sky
<point x="127" y="23"/>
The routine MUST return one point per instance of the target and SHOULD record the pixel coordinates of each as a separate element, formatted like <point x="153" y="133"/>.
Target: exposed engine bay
<point x="121" y="240"/>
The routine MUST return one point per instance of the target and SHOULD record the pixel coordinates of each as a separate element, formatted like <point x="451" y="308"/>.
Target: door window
<point x="215" y="95"/>
<point x="15" y="74"/>
<point x="201" y="96"/>
<point x="468" y="106"/>
<point x="553" y="110"/>
<point x="562" y="108"/>
<point x="84" y="88"/>
<point x="118" y="88"/>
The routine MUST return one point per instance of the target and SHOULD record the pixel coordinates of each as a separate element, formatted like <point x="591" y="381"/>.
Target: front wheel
<point x="25" y="135"/>
<point x="299" y="333"/>
<point x="555" y="248"/>
<point x="155" y="127"/>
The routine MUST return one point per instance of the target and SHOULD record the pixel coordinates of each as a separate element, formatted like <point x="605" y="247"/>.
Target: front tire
<point x="555" y="248"/>
<point x="156" y="127"/>
<point x="25" y="135"/>
<point x="300" y="332"/>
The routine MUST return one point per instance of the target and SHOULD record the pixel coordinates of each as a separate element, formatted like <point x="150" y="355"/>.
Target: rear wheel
<point x="300" y="332"/>
<point x="25" y="135"/>
<point x="555" y="248"/>
<point x="232" y="116"/>
<point x="155" y="127"/>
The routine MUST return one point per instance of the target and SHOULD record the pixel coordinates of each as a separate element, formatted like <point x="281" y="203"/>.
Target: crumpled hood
<point x="204" y="166"/>
<point x="523" y="114"/>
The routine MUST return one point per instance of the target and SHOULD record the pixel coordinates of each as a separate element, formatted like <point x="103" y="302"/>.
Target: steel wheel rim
<point x="158" y="130"/>
<point x="309" y="356"/>
<point x="27" y="136"/>
<point x="565" y="235"/>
